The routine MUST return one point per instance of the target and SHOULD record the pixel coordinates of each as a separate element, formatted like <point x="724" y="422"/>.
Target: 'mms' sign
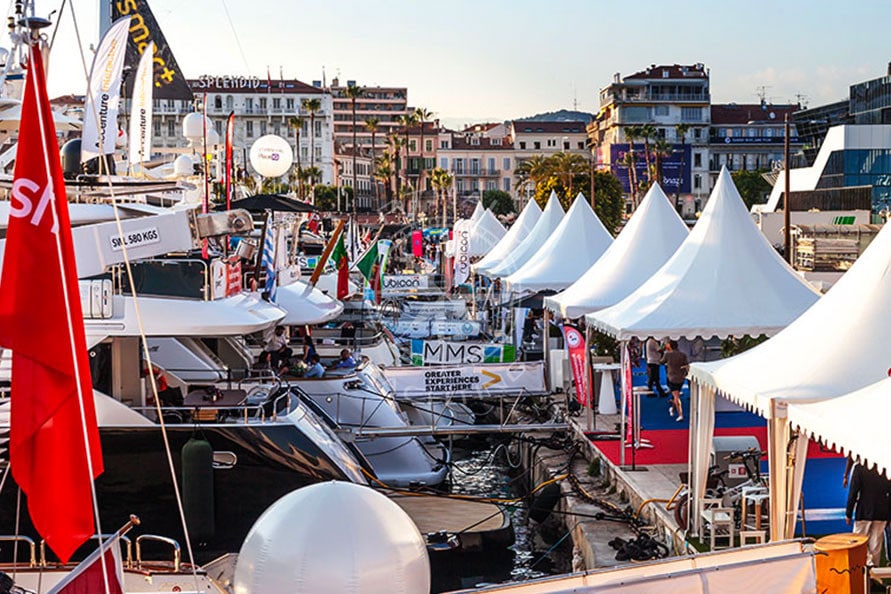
<point x="671" y="166"/>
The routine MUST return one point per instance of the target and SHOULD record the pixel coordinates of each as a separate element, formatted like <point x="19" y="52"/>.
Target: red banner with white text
<point x="577" y="349"/>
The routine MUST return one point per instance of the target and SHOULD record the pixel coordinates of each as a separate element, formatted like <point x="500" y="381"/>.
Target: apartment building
<point x="384" y="104"/>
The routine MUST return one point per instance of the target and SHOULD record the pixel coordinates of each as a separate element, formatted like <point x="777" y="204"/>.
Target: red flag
<point x="41" y="321"/>
<point x="90" y="577"/>
<point x="577" y="351"/>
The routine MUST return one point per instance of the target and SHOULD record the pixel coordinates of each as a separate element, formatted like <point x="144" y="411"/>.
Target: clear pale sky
<point x="470" y="61"/>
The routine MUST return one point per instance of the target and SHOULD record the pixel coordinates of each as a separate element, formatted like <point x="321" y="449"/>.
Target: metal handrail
<point x="177" y="552"/>
<point x="32" y="546"/>
<point x="102" y="537"/>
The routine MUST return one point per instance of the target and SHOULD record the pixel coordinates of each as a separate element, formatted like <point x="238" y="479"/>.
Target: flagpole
<point x="328" y="249"/>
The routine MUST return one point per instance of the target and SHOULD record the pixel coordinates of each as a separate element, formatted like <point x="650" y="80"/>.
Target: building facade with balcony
<point x="261" y="107"/>
<point x="364" y="191"/>
<point x="385" y="104"/>
<point x="541" y="138"/>
<point x="750" y="137"/>
<point x="481" y="157"/>
<point x="667" y="98"/>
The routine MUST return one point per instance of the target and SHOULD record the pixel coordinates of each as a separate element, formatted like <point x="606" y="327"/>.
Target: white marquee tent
<point x="648" y="240"/>
<point x="572" y="248"/>
<point x="485" y="234"/>
<point x="477" y="212"/>
<point x="836" y="347"/>
<point x="547" y="223"/>
<point x="514" y="236"/>
<point x="725" y="279"/>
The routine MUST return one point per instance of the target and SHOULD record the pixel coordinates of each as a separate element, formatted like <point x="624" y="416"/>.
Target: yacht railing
<point x="128" y="548"/>
<point x="32" y="546"/>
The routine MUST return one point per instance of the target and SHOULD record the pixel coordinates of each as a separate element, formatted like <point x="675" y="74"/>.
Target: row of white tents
<point x="823" y="374"/>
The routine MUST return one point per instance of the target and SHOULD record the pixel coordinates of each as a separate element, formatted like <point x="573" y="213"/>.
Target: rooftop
<point x="671" y="71"/>
<point x="734" y="113"/>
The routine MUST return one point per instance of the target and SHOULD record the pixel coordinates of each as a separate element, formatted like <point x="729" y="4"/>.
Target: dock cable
<point x="553" y="547"/>
<point x="614" y="512"/>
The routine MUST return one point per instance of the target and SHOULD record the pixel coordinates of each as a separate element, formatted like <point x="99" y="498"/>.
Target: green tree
<point x="609" y="202"/>
<point x="326" y="197"/>
<point x="661" y="151"/>
<point x="499" y="202"/>
<point x="407" y="121"/>
<point x="568" y="167"/>
<point x="647" y="131"/>
<point x="752" y="186"/>
<point x="441" y="180"/>
<point x="632" y="133"/>
<point x="296" y="123"/>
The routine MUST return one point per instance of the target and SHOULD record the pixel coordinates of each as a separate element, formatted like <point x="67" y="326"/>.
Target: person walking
<point x="869" y="504"/>
<point x="676" y="367"/>
<point x="653" y="352"/>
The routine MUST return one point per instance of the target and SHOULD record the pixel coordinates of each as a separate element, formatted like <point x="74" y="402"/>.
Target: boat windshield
<point x="377" y="379"/>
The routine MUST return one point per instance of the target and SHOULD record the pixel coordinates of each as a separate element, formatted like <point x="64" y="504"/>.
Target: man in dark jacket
<point x="869" y="503"/>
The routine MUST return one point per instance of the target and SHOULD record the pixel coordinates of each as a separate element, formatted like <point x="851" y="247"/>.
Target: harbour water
<point x="490" y="469"/>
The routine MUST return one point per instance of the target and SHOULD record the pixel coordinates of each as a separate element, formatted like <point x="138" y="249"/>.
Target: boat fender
<point x="544" y="501"/>
<point x="198" y="502"/>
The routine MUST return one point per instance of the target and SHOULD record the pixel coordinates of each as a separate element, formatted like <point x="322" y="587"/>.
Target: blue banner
<point x="671" y="166"/>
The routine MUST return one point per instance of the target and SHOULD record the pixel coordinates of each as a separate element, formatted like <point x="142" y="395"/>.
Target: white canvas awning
<point x="572" y="248"/>
<point x="485" y="234"/>
<point x="521" y="228"/>
<point x="649" y="239"/>
<point x="725" y="279"/>
<point x="547" y="223"/>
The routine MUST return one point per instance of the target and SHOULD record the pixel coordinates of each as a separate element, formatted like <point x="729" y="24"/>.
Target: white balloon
<point x="271" y="156"/>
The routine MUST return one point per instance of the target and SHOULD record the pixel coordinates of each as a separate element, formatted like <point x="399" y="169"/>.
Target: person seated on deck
<point x="277" y="346"/>
<point x="346" y="361"/>
<point x="315" y="367"/>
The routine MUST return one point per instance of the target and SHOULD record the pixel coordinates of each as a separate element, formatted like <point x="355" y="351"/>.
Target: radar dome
<point x="271" y="155"/>
<point x="193" y="126"/>
<point x="337" y="538"/>
<point x="183" y="166"/>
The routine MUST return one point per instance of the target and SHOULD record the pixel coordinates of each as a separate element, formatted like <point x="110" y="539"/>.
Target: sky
<point x="470" y="61"/>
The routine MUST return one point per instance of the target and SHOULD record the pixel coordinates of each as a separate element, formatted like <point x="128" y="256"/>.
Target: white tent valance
<point x="521" y="228"/>
<point x="648" y="240"/>
<point x="855" y="424"/>
<point x="725" y="279"/>
<point x="572" y="248"/>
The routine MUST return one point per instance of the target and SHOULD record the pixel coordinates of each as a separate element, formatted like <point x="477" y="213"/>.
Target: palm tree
<point x="565" y="167"/>
<point x="535" y="169"/>
<point x="296" y="122"/>
<point x="632" y="133"/>
<point x="352" y="93"/>
<point x="422" y="115"/>
<point x="312" y="174"/>
<point x="383" y="172"/>
<point x="440" y="179"/>
<point x="661" y="150"/>
<point x="372" y="125"/>
<point x="681" y="130"/>
<point x="394" y="146"/>
<point x="312" y="106"/>
<point x="406" y="120"/>
<point x="648" y="131"/>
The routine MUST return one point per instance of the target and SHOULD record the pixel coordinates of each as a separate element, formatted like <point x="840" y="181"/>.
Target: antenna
<point x="575" y="98"/>
<point x="761" y="92"/>
<point x="801" y="99"/>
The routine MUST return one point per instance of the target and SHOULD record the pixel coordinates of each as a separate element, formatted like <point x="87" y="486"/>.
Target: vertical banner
<point x="577" y="350"/>
<point x="520" y="314"/>
<point x="141" y="110"/>
<point x="462" y="252"/>
<point x="417" y="243"/>
<point x="100" y="128"/>
<point x="627" y="394"/>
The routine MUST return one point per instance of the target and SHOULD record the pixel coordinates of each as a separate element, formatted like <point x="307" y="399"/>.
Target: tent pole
<point x="622" y="443"/>
<point x="546" y="351"/>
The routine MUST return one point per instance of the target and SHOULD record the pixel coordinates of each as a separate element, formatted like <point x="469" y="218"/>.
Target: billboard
<point x="671" y="166"/>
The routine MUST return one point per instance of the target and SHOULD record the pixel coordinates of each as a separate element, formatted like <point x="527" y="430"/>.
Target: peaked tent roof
<point x="837" y="346"/>
<point x="477" y="212"/>
<point x="572" y="248"/>
<point x="651" y="236"/>
<point x="549" y="220"/>
<point x="725" y="279"/>
<point x="516" y="234"/>
<point x="485" y="234"/>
